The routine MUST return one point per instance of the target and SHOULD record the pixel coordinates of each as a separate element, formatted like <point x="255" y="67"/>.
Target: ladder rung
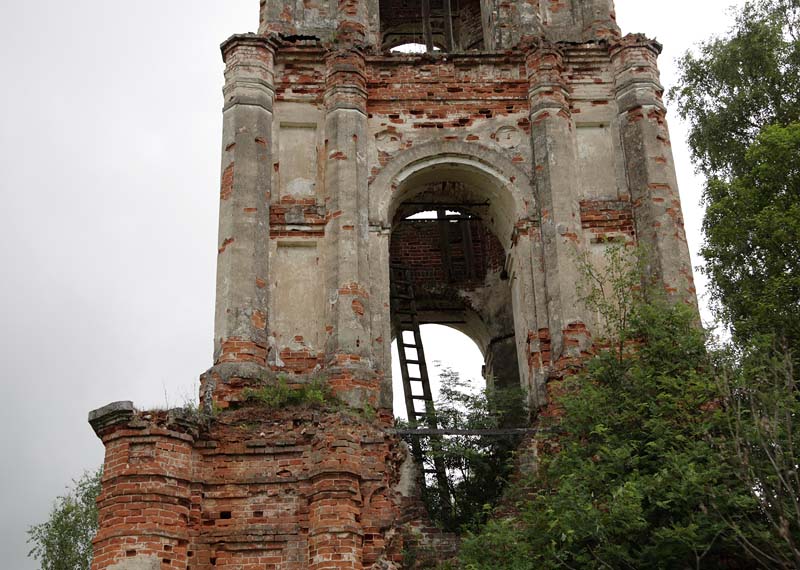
<point x="411" y="345"/>
<point x="409" y="361"/>
<point x="420" y="398"/>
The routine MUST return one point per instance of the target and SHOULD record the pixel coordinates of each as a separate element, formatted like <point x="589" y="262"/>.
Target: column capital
<point x="110" y="416"/>
<point x="636" y="42"/>
<point x="249" y="70"/>
<point x="346" y="79"/>
<point x="547" y="89"/>
<point x="636" y="75"/>
<point x="255" y="42"/>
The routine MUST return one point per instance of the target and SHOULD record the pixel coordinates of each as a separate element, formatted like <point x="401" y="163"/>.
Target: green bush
<point x="314" y="394"/>
<point x="478" y="466"/>
<point x="646" y="474"/>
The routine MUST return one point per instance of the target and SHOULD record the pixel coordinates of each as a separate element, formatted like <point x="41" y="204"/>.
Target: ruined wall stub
<point x="538" y="122"/>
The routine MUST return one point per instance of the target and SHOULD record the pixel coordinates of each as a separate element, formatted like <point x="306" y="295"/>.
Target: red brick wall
<point x="607" y="220"/>
<point x="416" y="244"/>
<point x="451" y="93"/>
<point x="145" y="504"/>
<point x="254" y="489"/>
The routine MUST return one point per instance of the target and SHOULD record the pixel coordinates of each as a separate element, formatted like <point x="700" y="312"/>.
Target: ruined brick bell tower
<point x="534" y="131"/>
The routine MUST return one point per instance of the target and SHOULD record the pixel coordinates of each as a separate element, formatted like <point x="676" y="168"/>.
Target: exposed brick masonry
<point x="417" y="245"/>
<point x="607" y="220"/>
<point x="302" y="476"/>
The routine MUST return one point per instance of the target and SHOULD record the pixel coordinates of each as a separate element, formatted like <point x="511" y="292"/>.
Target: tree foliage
<point x="759" y="390"/>
<point x="638" y="480"/>
<point x="752" y="248"/>
<point x="64" y="541"/>
<point x="478" y="466"/>
<point x="668" y="455"/>
<point x="737" y="84"/>
<point x="741" y="96"/>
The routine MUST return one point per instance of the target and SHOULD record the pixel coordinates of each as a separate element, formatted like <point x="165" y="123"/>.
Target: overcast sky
<point x="109" y="144"/>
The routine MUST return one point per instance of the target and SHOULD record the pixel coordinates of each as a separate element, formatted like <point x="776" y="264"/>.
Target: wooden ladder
<point x="452" y="243"/>
<point x="417" y="387"/>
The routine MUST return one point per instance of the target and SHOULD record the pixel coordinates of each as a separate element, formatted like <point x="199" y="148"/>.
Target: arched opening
<point x="446" y="349"/>
<point x="469" y="214"/>
<point x="462" y="467"/>
<point x="448" y="268"/>
<point x="452" y="225"/>
<point x="449" y="25"/>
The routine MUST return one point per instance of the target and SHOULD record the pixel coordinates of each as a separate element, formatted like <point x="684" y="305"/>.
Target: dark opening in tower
<point x="448" y="25"/>
<point x="447" y="259"/>
<point x="448" y="268"/>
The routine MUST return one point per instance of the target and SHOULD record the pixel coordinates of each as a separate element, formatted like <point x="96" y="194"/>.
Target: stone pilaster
<point x="241" y="321"/>
<point x="555" y="175"/>
<point x="346" y="180"/>
<point x="352" y="27"/>
<point x="649" y="165"/>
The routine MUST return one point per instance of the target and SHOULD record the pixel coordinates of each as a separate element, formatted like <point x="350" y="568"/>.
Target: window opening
<point x="445" y="349"/>
<point x="412" y="47"/>
<point x="473" y="445"/>
<point x="431" y="25"/>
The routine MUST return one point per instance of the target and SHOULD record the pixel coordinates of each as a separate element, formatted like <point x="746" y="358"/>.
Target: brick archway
<point x="496" y="199"/>
<point x="508" y="187"/>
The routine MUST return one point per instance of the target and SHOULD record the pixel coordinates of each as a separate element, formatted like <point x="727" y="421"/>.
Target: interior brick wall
<point x="417" y="245"/>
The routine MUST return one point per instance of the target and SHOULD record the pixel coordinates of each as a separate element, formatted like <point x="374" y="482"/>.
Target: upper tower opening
<point x="449" y="25"/>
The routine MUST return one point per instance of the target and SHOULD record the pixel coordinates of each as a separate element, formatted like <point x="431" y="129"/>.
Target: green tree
<point x="477" y="466"/>
<point x="737" y="84"/>
<point x="661" y="454"/>
<point x="638" y="480"/>
<point x="64" y="541"/>
<point x="752" y="248"/>
<point x="741" y="96"/>
<point x="759" y="391"/>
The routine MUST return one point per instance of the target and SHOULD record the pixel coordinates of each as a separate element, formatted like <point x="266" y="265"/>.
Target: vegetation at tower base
<point x="741" y="96"/>
<point x="478" y="466"/>
<point x="276" y="396"/>
<point x="761" y="390"/>
<point x="655" y="465"/>
<point x="64" y="541"/>
<point x="663" y="453"/>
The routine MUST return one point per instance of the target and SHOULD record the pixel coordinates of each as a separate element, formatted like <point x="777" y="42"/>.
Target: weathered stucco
<point x="538" y="124"/>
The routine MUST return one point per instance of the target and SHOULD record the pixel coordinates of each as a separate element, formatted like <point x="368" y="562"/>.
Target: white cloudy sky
<point x="109" y="144"/>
